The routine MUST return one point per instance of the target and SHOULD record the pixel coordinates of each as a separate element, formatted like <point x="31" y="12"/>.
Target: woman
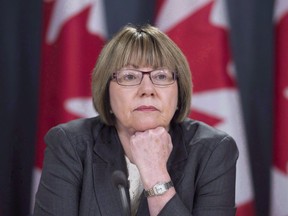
<point x="141" y="89"/>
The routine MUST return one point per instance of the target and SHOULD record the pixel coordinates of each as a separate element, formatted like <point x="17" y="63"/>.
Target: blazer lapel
<point x="178" y="156"/>
<point x="108" y="157"/>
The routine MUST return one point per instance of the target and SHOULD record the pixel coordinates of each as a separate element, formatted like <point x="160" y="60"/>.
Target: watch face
<point x="160" y="189"/>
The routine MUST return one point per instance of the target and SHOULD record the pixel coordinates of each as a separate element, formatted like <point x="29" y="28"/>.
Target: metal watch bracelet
<point x="158" y="189"/>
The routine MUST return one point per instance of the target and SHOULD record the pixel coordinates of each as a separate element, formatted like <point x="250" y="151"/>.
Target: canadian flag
<point x="73" y="35"/>
<point x="280" y="161"/>
<point x="200" y="29"/>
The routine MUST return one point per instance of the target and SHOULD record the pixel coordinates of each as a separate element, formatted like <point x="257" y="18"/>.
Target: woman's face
<point x="144" y="106"/>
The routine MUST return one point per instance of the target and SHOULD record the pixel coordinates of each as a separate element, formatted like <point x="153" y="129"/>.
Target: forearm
<point x="156" y="203"/>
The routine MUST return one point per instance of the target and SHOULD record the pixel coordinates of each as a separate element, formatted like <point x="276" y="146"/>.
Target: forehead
<point x="141" y="52"/>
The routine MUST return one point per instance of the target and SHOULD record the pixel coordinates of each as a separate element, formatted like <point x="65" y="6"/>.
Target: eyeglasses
<point x="132" y="77"/>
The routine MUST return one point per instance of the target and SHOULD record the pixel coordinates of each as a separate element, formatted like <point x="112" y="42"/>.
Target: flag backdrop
<point x="250" y="30"/>
<point x="74" y="33"/>
<point x="200" y="29"/>
<point x="280" y="159"/>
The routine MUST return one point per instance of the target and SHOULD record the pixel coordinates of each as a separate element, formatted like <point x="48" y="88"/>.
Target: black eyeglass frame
<point x="175" y="76"/>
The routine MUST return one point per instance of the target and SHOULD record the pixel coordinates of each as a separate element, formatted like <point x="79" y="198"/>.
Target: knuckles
<point x="158" y="136"/>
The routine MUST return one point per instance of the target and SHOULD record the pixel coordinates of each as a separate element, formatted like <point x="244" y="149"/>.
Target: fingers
<point x="151" y="148"/>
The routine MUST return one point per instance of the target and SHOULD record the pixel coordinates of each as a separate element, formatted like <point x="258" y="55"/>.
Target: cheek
<point x="119" y="101"/>
<point x="115" y="102"/>
<point x="113" y="97"/>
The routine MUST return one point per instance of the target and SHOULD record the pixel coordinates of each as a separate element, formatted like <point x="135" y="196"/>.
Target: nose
<point x="146" y="87"/>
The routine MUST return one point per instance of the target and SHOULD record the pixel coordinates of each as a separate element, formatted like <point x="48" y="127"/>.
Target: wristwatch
<point x="158" y="189"/>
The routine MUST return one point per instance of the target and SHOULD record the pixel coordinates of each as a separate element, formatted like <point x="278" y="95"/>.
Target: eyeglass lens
<point x="129" y="77"/>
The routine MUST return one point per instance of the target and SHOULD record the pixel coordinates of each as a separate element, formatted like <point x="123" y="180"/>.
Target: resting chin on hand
<point x="141" y="85"/>
<point x="150" y="151"/>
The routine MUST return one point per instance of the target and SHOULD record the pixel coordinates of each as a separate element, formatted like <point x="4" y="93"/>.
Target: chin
<point x="146" y="126"/>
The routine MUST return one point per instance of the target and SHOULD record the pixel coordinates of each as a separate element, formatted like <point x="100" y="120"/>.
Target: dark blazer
<point x="81" y="156"/>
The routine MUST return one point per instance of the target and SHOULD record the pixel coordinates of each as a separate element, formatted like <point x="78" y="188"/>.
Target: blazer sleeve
<point x="59" y="189"/>
<point x="215" y="186"/>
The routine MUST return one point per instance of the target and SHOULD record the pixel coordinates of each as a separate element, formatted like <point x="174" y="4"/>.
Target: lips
<point x="146" y="108"/>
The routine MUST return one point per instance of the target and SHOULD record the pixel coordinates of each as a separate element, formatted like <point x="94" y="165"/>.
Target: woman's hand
<point x="150" y="151"/>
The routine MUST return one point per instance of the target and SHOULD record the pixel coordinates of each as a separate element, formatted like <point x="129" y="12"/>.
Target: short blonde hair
<point x="140" y="46"/>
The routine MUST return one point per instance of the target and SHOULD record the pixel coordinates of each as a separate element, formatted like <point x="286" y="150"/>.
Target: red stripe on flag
<point x="280" y="154"/>
<point x="206" y="49"/>
<point x="281" y="96"/>
<point x="246" y="209"/>
<point x="66" y="70"/>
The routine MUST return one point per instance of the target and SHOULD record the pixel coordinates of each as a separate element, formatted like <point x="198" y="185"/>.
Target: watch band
<point x="158" y="189"/>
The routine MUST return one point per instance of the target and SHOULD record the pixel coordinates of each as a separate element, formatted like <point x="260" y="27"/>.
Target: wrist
<point x="149" y="180"/>
<point x="158" y="189"/>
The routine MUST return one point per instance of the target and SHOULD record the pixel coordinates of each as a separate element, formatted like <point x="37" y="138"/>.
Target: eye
<point x="160" y="75"/>
<point x="127" y="76"/>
